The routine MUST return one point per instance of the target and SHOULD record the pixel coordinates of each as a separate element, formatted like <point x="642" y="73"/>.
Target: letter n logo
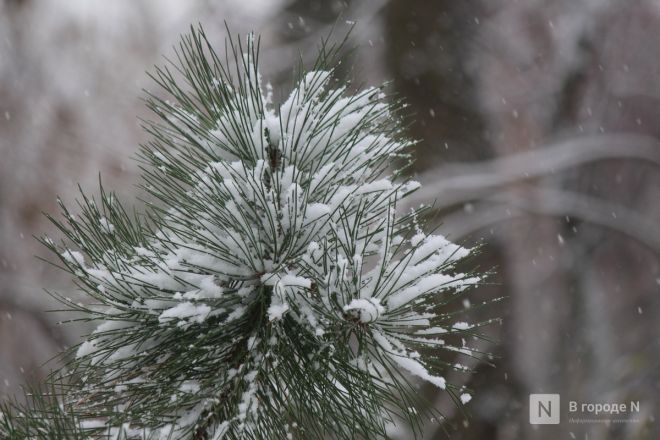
<point x="544" y="409"/>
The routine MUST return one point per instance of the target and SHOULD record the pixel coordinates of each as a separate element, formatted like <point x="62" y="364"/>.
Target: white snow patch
<point x="189" y="386"/>
<point x="429" y="283"/>
<point x="186" y="311"/>
<point x="377" y="186"/>
<point x="276" y="311"/>
<point x="315" y="211"/>
<point x="74" y="257"/>
<point x="106" y="226"/>
<point x="366" y="310"/>
<point x="431" y="331"/>
<point x="461" y="326"/>
<point x="406" y="362"/>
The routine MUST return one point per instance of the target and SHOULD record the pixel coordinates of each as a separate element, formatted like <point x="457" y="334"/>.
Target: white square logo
<point x="544" y="409"/>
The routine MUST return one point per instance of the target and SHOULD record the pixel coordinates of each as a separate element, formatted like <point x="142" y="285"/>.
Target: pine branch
<point x="270" y="289"/>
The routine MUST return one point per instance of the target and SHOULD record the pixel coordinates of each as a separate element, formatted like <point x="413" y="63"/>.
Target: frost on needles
<point x="270" y="290"/>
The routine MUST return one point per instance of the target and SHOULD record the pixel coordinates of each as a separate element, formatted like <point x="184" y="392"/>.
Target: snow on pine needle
<point x="271" y="289"/>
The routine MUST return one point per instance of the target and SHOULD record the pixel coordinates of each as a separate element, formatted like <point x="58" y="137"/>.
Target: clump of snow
<point x="276" y="311"/>
<point x="185" y="311"/>
<point x="461" y="326"/>
<point x="74" y="257"/>
<point x="365" y="310"/>
<point x="106" y="226"/>
<point x="189" y="386"/>
<point x="407" y="362"/>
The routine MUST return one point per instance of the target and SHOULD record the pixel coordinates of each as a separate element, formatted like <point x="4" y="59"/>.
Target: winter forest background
<point x="539" y="125"/>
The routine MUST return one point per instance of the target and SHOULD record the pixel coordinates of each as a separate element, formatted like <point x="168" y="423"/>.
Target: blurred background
<point x="538" y="124"/>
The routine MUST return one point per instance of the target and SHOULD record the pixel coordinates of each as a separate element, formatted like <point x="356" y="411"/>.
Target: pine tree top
<point x="270" y="289"/>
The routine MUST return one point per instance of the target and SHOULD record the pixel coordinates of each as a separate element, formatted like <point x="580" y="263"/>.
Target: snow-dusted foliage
<point x="271" y="290"/>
